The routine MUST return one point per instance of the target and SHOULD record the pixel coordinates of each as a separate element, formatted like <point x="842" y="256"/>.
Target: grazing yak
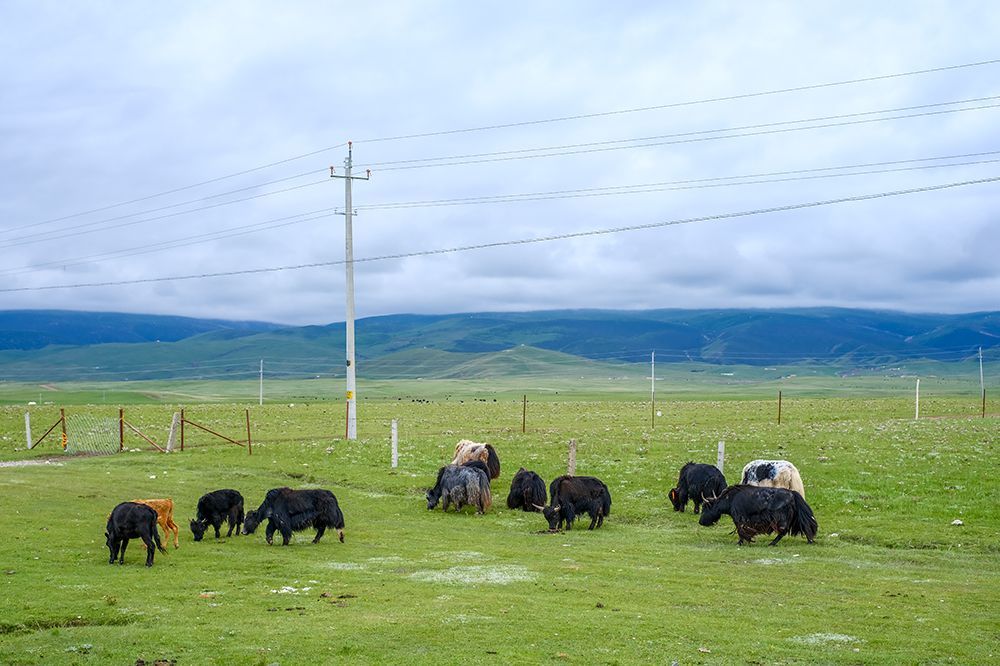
<point x="467" y="450"/>
<point x="527" y="491"/>
<point x="773" y="474"/>
<point x="461" y="485"/>
<point x="164" y="509"/>
<point x="573" y="495"/>
<point x="215" y="507"/>
<point x="288" y="511"/>
<point x="696" y="482"/>
<point x="132" y="520"/>
<point x="758" y="510"/>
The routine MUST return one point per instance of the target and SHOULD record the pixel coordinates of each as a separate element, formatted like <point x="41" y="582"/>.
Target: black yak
<point x="215" y="507"/>
<point x="756" y="510"/>
<point x="696" y="481"/>
<point x="773" y="474"/>
<point x="573" y="495"/>
<point x="461" y="485"/>
<point x="288" y="511"/>
<point x="527" y="491"/>
<point x="132" y="520"/>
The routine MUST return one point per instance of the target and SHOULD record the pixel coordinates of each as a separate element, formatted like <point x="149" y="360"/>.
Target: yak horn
<point x="538" y="506"/>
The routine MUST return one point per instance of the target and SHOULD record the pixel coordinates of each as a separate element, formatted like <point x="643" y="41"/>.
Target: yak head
<point x="713" y="508"/>
<point x="198" y="529"/>
<point x="433" y="496"/>
<point x="675" y="499"/>
<point x="553" y="514"/>
<point x="251" y="521"/>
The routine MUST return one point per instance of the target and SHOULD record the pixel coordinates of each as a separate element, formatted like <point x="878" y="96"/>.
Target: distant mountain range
<point x="56" y="345"/>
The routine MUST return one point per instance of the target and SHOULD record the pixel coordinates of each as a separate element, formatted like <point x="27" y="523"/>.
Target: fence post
<point x="779" y="407"/>
<point x="27" y="428"/>
<point x="249" y="446"/>
<point x="721" y="460"/>
<point x="172" y="437"/>
<point x="571" y="463"/>
<point x="984" y="404"/>
<point x="182" y="429"/>
<point x="121" y="429"/>
<point x="395" y="445"/>
<point x="916" y="408"/>
<point x="62" y="417"/>
<point x="524" y="413"/>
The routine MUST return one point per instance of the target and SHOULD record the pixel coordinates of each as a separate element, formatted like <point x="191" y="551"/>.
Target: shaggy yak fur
<point x="461" y="485"/>
<point x="288" y="511"/>
<point x="215" y="507"/>
<point x="527" y="491"/>
<point x="756" y="510"/>
<point x="467" y="450"/>
<point x="773" y="474"/>
<point x="131" y="520"/>
<point x="697" y="481"/>
<point x="164" y="509"/>
<point x="574" y="495"/>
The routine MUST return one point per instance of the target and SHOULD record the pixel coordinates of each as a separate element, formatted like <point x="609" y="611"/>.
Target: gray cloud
<point x="106" y="105"/>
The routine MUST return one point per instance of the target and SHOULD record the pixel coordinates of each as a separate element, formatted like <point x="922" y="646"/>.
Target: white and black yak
<point x="527" y="491"/>
<point x="696" y="482"/>
<point x="756" y="510"/>
<point x="461" y="485"/>
<point x="571" y="496"/>
<point x="773" y="474"/>
<point x="467" y="450"/>
<point x="287" y="511"/>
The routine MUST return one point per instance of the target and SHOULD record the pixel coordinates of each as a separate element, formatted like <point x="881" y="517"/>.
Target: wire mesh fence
<point x="86" y="433"/>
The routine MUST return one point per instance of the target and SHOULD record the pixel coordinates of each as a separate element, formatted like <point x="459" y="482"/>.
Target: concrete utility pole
<point x="352" y="397"/>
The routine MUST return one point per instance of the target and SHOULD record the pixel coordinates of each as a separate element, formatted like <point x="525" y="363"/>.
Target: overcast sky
<point x="122" y="126"/>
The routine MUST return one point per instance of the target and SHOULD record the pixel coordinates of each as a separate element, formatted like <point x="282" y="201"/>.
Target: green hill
<point x="596" y="342"/>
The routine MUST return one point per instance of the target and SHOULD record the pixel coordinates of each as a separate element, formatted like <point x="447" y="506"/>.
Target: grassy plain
<point x="890" y="580"/>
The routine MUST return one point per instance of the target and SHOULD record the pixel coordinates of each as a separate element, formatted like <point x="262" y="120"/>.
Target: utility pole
<point x="261" y="402"/>
<point x="352" y="391"/>
<point x="652" y="389"/>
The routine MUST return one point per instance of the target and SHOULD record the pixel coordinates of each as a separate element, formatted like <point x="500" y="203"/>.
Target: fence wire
<point x="91" y="434"/>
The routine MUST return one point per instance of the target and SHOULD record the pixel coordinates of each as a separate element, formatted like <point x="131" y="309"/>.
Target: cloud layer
<point x="105" y="106"/>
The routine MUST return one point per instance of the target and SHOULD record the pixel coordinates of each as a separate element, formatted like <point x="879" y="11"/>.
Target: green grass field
<point x="889" y="581"/>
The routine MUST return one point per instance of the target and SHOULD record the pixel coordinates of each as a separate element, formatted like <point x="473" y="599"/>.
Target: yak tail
<point x="492" y="462"/>
<point x="804" y="522"/>
<point x="156" y="539"/>
<point x="486" y="492"/>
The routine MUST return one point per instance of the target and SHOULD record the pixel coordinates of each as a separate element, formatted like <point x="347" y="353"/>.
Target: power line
<point x="614" y="190"/>
<point x="167" y="207"/>
<point x="558" y="119"/>
<point x="523" y="241"/>
<point x="674" y="105"/>
<point x="31" y="239"/>
<point x="651" y="142"/>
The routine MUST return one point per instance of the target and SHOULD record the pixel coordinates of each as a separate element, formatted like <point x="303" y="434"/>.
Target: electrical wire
<point x="665" y="186"/>
<point x="523" y="241"/>
<point x="558" y="119"/>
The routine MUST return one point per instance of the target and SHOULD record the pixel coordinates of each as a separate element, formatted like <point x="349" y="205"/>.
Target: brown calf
<point x="164" y="516"/>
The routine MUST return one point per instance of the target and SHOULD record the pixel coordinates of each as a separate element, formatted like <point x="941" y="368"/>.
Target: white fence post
<point x="571" y="463"/>
<point x="395" y="444"/>
<point x="720" y="461"/>
<point x="27" y="428"/>
<point x="173" y="431"/>
<point x="916" y="412"/>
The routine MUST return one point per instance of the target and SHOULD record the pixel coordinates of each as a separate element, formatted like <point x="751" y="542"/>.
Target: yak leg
<point x="231" y="519"/>
<point x="115" y="546"/>
<point x="173" y="526"/>
<point x="150" y="547"/>
<point x="217" y="523"/>
<point x="594" y="517"/>
<point x="121" y="556"/>
<point x="269" y="533"/>
<point x="781" y="533"/>
<point x="319" y="533"/>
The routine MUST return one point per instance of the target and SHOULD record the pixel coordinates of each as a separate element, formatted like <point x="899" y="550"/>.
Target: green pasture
<point x="890" y="580"/>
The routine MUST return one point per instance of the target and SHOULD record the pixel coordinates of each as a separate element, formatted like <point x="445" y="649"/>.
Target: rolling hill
<point x="118" y="347"/>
